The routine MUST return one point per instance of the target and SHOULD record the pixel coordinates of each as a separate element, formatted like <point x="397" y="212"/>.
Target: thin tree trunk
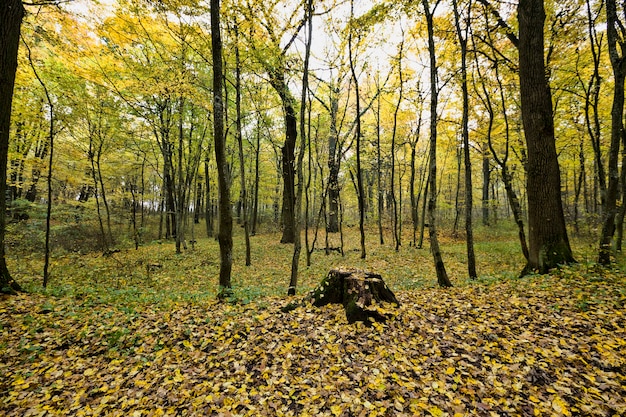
<point x="396" y="234"/>
<point x="359" y="174"/>
<point x="51" y="134"/>
<point x="107" y="211"/>
<point x="242" y="171"/>
<point x="615" y="35"/>
<point x="105" y="245"/>
<point x="379" y="166"/>
<point x="502" y="162"/>
<point x="208" y="208"/>
<point x="257" y="177"/>
<point x="486" y="171"/>
<point x="297" y="245"/>
<point x="180" y="188"/>
<point x="457" y="193"/>
<point x="442" y="275"/>
<point x="621" y="211"/>
<point x="469" y="232"/>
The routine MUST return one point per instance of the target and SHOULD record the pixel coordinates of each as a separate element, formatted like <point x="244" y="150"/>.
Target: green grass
<point x="191" y="277"/>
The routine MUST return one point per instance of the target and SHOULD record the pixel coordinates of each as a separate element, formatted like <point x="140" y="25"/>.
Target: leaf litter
<point x="551" y="345"/>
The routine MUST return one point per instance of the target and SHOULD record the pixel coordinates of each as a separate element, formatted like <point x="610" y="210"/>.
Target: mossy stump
<point x="360" y="292"/>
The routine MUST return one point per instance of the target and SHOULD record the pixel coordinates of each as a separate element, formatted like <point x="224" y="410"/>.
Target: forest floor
<point x="140" y="333"/>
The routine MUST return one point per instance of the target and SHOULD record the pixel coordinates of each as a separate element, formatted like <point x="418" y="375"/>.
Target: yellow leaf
<point x="435" y="411"/>
<point x="336" y="410"/>
<point x="560" y="406"/>
<point x="89" y="372"/>
<point x="450" y="370"/>
<point x="177" y="376"/>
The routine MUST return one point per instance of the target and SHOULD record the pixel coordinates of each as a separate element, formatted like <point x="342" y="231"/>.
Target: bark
<point x="225" y="233"/>
<point x="359" y="292"/>
<point x="334" y="164"/>
<point x="548" y="242"/>
<point x="11" y="13"/>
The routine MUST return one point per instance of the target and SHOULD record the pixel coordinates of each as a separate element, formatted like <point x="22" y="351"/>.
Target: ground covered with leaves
<point x="540" y="345"/>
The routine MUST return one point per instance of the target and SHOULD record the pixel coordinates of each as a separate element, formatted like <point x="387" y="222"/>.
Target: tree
<point x="275" y="61"/>
<point x="548" y="242"/>
<point x="442" y="275"/>
<point x="225" y="232"/>
<point x="297" y="243"/>
<point x="357" y="133"/>
<point x="501" y="160"/>
<point x="11" y="14"/>
<point x="471" y="258"/>
<point x="617" y="54"/>
<point x="239" y="133"/>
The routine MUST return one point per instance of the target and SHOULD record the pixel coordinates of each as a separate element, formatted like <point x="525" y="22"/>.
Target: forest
<point x="181" y="176"/>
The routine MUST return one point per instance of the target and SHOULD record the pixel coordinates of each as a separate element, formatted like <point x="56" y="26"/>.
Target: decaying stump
<point x="360" y="292"/>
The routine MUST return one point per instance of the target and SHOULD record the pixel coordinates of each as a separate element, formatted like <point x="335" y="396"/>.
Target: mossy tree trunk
<point x="358" y="291"/>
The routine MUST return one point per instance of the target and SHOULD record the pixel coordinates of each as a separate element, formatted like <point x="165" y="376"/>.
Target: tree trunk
<point x="257" y="178"/>
<point x="549" y="244"/>
<point x="379" y="166"/>
<point x="486" y="171"/>
<point x="442" y="275"/>
<point x="359" y="174"/>
<point x="618" y="63"/>
<point x="288" y="158"/>
<point x="11" y="13"/>
<point x="225" y="233"/>
<point x="359" y="292"/>
<point x="208" y="208"/>
<point x="395" y="221"/>
<point x="242" y="170"/>
<point x="334" y="162"/>
<point x="298" y="216"/>
<point x="469" y="231"/>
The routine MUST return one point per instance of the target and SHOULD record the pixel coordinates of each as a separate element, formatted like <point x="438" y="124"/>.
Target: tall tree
<point x="394" y="200"/>
<point x="11" y="14"/>
<point x="297" y="243"/>
<point x="357" y="133"/>
<point x="239" y="133"/>
<point x="442" y="275"/>
<point x="264" y="24"/>
<point x="51" y="132"/>
<point x="462" y="34"/>
<point x="616" y="37"/>
<point x="225" y="233"/>
<point x="548" y="242"/>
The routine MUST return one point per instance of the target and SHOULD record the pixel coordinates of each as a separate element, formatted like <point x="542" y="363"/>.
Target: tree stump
<point x="359" y="291"/>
